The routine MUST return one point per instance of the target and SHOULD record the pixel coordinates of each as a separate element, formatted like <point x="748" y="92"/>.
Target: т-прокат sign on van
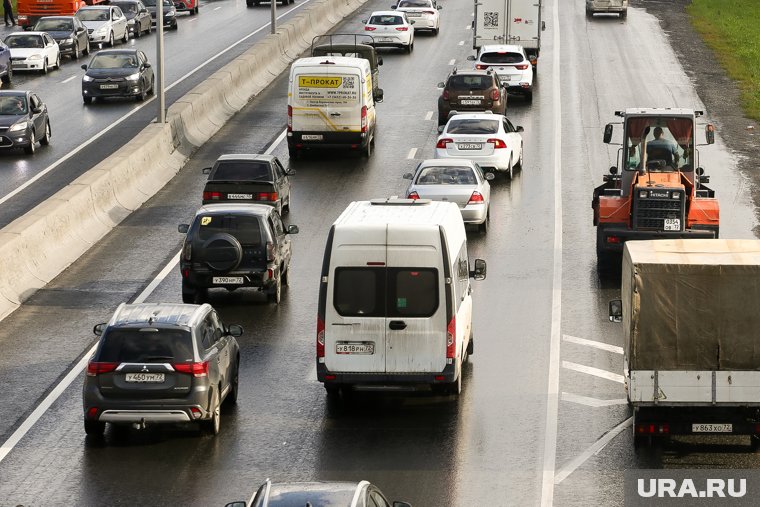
<point x="316" y="90"/>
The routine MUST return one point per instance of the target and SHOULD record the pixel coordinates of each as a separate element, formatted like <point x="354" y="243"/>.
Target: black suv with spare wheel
<point x="232" y="246"/>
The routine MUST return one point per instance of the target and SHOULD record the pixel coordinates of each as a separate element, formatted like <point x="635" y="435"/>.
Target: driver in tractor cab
<point x="663" y="149"/>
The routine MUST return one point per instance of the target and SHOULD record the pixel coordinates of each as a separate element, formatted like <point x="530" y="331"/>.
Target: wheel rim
<point x="32" y="142"/>
<point x="216" y="419"/>
<point x="47" y="131"/>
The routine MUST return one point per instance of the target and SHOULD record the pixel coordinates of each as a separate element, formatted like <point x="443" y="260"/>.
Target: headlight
<point x="35" y="57"/>
<point x="102" y="29"/>
<point x="133" y="77"/>
<point x="18" y="126"/>
<point x="170" y="14"/>
<point x="87" y="78"/>
<point x="67" y="41"/>
<point x="643" y="194"/>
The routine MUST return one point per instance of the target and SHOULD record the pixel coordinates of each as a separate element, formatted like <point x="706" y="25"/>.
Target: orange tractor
<point x="658" y="190"/>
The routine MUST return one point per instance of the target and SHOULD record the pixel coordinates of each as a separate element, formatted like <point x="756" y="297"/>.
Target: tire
<point x="149" y="29"/>
<point x="484" y="226"/>
<point x="152" y="88"/>
<point x="510" y="171"/>
<point x="435" y="31"/>
<point x="232" y="396"/>
<point x="368" y="149"/>
<point x="519" y="164"/>
<point x="138" y="33"/>
<point x="140" y="97"/>
<point x="604" y="259"/>
<point x="213" y="425"/>
<point x="624" y="14"/>
<point x="45" y="66"/>
<point x="58" y="61"/>
<point x="285" y="277"/>
<point x="196" y="10"/>
<point x="75" y="56"/>
<point x="293" y="153"/>
<point x="32" y="145"/>
<point x="193" y="295"/>
<point x="274" y="295"/>
<point x="529" y="96"/>
<point x="125" y="39"/>
<point x="8" y="77"/>
<point x="87" y="100"/>
<point x="455" y="387"/>
<point x="86" y="50"/>
<point x="111" y="42"/>
<point x="45" y="141"/>
<point x="589" y="14"/>
<point x="175" y="26"/>
<point x="333" y="392"/>
<point x="94" y="428"/>
<point x="471" y="346"/>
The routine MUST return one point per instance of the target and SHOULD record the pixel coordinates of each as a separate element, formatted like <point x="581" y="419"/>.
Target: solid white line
<point x="552" y="387"/>
<point x="276" y="142"/>
<point x="452" y="61"/>
<point x="594" y="449"/>
<point x="429" y="115"/>
<point x="590" y="370"/>
<point x="195" y="18"/>
<point x="592" y="343"/>
<point x="412" y="153"/>
<point x="68" y="79"/>
<point x="461" y="43"/>
<point x="592" y="402"/>
<point x="82" y="146"/>
<point x="217" y="8"/>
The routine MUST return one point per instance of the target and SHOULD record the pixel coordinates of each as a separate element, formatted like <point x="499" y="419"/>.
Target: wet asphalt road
<point x="487" y="448"/>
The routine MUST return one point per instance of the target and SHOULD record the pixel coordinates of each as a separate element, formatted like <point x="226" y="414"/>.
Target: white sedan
<point x="390" y="29"/>
<point x="105" y="23"/>
<point x="488" y="139"/>
<point x="511" y="64"/>
<point x="424" y="13"/>
<point x="33" y="51"/>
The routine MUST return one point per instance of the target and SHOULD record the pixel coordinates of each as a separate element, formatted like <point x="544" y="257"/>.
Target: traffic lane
<point x="615" y="78"/>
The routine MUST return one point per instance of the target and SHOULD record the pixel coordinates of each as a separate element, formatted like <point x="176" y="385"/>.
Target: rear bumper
<point x="330" y="140"/>
<point x="251" y="279"/>
<point x="623" y="233"/>
<point x="679" y="420"/>
<point x="160" y="410"/>
<point x="601" y="9"/>
<point x="474" y="213"/>
<point x="148" y="416"/>
<point x="125" y="89"/>
<point x="448" y="375"/>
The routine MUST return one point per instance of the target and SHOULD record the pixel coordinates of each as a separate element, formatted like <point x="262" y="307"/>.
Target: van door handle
<point x="397" y="325"/>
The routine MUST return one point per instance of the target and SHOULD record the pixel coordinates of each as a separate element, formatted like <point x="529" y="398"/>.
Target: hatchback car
<point x="33" y="51"/>
<point x="190" y="6"/>
<point x="490" y="140"/>
<point x="258" y="179"/>
<point x="233" y="246"/>
<point x="424" y="13"/>
<point x="161" y="363"/>
<point x="511" y="64"/>
<point x="23" y="120"/>
<point x="105" y="24"/>
<point x="118" y="73"/>
<point x="138" y="17"/>
<point x="170" y="13"/>
<point x="390" y="29"/>
<point x="334" y="494"/>
<point x="6" y="69"/>
<point x="68" y="32"/>
<point x="457" y="180"/>
<point x="471" y="91"/>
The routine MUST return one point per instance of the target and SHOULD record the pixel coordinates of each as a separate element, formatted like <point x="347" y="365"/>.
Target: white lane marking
<point x="94" y="138"/>
<point x="594" y="449"/>
<point x="429" y="115"/>
<point x="552" y="387"/>
<point x="593" y="343"/>
<point x="312" y="375"/>
<point x="22" y="430"/>
<point x="460" y="43"/>
<point x="592" y="402"/>
<point x="217" y="8"/>
<point x="468" y="27"/>
<point x="452" y="61"/>
<point x="590" y="370"/>
<point x="195" y="18"/>
<point x="412" y="153"/>
<point x="68" y="79"/>
<point x="276" y="142"/>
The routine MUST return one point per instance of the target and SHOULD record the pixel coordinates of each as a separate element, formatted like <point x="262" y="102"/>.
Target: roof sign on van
<point x="320" y="81"/>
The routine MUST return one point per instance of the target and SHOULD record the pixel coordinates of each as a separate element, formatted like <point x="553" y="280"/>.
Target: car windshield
<point x="146" y="345"/>
<point x="473" y="126"/>
<point x="94" y="14"/>
<point x="386" y="20"/>
<point x="24" y="41"/>
<point x="126" y="7"/>
<point x="660" y="143"/>
<point x="245" y="228"/>
<point x="460" y="82"/>
<point x="435" y="175"/>
<point x="501" y="57"/>
<point x="287" y="497"/>
<point x="12" y="105"/>
<point x="234" y="170"/>
<point x="124" y="61"/>
<point x="415" y="3"/>
<point x="54" y="25"/>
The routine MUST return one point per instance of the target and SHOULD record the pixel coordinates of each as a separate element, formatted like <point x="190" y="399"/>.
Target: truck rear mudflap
<point x="611" y="238"/>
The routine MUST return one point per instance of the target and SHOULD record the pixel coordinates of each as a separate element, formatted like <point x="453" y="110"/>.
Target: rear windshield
<point x="501" y="58"/>
<point x="414" y="3"/>
<point x="246" y="229"/>
<point x="24" y="41"/>
<point x="473" y="126"/>
<point x="385" y="292"/>
<point x="54" y="25"/>
<point x="147" y="345"/>
<point x="234" y="170"/>
<point x="386" y="20"/>
<point x="470" y="82"/>
<point x="446" y="176"/>
<point x="94" y="14"/>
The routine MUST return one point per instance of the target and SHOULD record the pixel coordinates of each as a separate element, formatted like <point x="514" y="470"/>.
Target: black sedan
<point x="23" y="120"/>
<point x="118" y="73"/>
<point x="68" y="32"/>
<point x="138" y="17"/>
<point x="170" y="13"/>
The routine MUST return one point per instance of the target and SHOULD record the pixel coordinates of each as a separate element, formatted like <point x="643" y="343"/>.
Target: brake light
<point x="413" y="195"/>
<point x="212" y="196"/>
<point x="522" y="67"/>
<point x="320" y="337"/>
<point x="451" y="342"/>
<point x="364" y="119"/>
<point x="443" y="142"/>
<point x="270" y="251"/>
<point x="187" y="251"/>
<point x="92" y="413"/>
<point x="481" y="66"/>
<point x="495" y="95"/>
<point x="402" y="28"/>
<point x="94" y="368"/>
<point x="266" y="196"/>
<point x="445" y="94"/>
<point x="497" y="143"/>
<point x="476" y="197"/>
<point x="290" y="118"/>
<point x="613" y="239"/>
<point x="196" y="369"/>
<point x="370" y="28"/>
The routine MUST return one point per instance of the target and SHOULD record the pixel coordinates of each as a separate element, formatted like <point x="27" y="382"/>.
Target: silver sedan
<point x="461" y="181"/>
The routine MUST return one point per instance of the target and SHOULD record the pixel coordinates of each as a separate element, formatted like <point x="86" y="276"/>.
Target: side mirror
<point x="489" y="176"/>
<point x="235" y="330"/>
<point x="408" y="176"/>
<point x="84" y="66"/>
<point x="479" y="273"/>
<point x="292" y="229"/>
<point x="364" y="21"/>
<point x="206" y="170"/>
<point x="98" y="328"/>
<point x="519" y="129"/>
<point x="710" y="133"/>
<point x="80" y="30"/>
<point x="616" y="310"/>
<point x="236" y="504"/>
<point x="441" y="128"/>
<point x="393" y="6"/>
<point x="147" y="65"/>
<point x="700" y="171"/>
<point x="608" y="133"/>
<point x="440" y="7"/>
<point x="441" y="85"/>
<point x="290" y="172"/>
<point x="37" y="110"/>
<point x="411" y="22"/>
<point x="613" y="170"/>
<point x="183" y="228"/>
<point x="378" y="95"/>
<point x="471" y="58"/>
<point x="379" y="61"/>
<point x="143" y="11"/>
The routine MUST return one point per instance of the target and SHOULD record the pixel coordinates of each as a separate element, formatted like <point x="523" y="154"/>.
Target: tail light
<point x="212" y="196"/>
<point x="402" y="28"/>
<point x="497" y="143"/>
<point x="370" y="28"/>
<point x="196" y="369"/>
<point x="451" y="338"/>
<point x="94" y="368"/>
<point x="413" y="195"/>
<point x="522" y="67"/>
<point x="476" y="197"/>
<point x="364" y="119"/>
<point x="290" y="118"/>
<point x="266" y="196"/>
<point x="653" y="429"/>
<point x="495" y="95"/>
<point x="270" y="251"/>
<point x="445" y="94"/>
<point x="613" y="239"/>
<point x="481" y="66"/>
<point x="320" y="337"/>
<point x="187" y="251"/>
<point x="92" y="413"/>
<point x="443" y="142"/>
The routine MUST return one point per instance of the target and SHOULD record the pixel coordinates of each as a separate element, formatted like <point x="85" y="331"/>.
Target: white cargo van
<point x="331" y="104"/>
<point x="395" y="302"/>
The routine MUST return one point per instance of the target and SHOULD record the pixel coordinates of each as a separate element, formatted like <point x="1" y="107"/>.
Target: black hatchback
<point x="24" y="120"/>
<point x="118" y="73"/>
<point x="68" y="32"/>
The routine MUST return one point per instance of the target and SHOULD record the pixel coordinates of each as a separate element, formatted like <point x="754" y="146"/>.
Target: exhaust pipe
<point x="139" y="425"/>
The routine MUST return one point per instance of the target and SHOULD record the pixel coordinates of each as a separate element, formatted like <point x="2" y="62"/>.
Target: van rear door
<point x="327" y="99"/>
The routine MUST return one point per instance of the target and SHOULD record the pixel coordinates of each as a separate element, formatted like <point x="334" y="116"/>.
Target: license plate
<point x="469" y="102"/>
<point x="145" y="377"/>
<point x="712" y="428"/>
<point x="414" y="14"/>
<point x="239" y="196"/>
<point x="227" y="280"/>
<point x="672" y="224"/>
<point x="312" y="137"/>
<point x="108" y="86"/>
<point x="386" y="39"/>
<point x="470" y="146"/>
<point x="355" y="348"/>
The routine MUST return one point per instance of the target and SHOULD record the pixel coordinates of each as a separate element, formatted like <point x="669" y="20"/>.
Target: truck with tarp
<point x="689" y="310"/>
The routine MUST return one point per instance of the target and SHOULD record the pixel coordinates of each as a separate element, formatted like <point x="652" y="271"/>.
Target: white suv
<point x="512" y="65"/>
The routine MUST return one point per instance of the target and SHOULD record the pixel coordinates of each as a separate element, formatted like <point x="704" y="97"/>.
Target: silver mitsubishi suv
<point x="161" y="363"/>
